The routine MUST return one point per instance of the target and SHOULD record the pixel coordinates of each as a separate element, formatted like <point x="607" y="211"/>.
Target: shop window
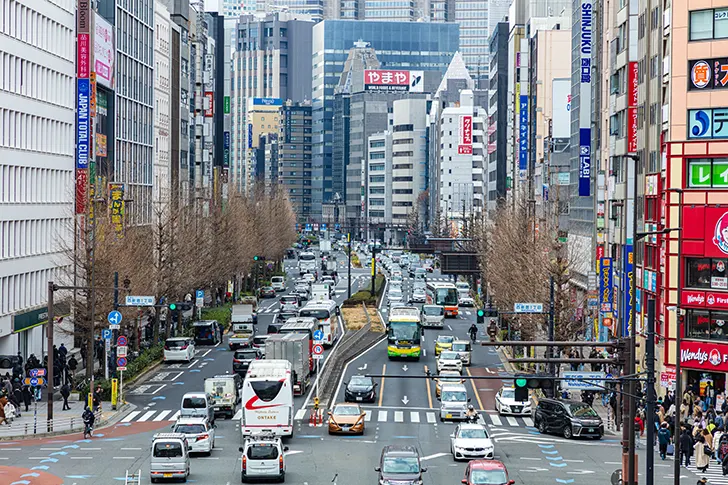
<point x="707" y="325"/>
<point x="707" y="273"/>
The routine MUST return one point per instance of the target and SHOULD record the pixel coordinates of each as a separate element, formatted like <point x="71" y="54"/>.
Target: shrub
<point x="220" y="313"/>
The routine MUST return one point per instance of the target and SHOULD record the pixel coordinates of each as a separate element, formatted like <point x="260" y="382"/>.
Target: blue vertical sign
<point x="629" y="293"/>
<point x="523" y="134"/>
<point x="250" y="135"/>
<point x="226" y="149"/>
<point x="83" y="122"/>
<point x="606" y="285"/>
<point x="585" y="114"/>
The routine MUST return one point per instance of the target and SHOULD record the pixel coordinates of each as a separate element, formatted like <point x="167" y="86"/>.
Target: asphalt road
<point x="405" y="413"/>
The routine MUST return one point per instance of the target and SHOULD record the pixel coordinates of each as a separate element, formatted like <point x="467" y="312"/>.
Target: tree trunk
<point x="155" y="337"/>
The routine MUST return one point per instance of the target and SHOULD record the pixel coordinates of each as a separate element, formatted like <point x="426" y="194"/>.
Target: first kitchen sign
<point x="711" y="357"/>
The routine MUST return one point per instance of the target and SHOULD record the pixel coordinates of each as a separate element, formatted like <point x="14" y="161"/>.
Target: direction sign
<point x="34" y="381"/>
<point x="140" y="300"/>
<point x="121" y="341"/>
<point x="114" y="317"/>
<point x="37" y="372"/>
<point x="318" y="335"/>
<point x="106" y="334"/>
<point x="580" y="380"/>
<point x="121" y="350"/>
<point x="528" y="307"/>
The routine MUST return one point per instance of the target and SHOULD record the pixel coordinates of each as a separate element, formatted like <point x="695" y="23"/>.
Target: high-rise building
<point x="497" y="130"/>
<point x="472" y="16"/>
<point x="37" y="160"/>
<point x="426" y="46"/>
<point x="312" y="9"/>
<point x="162" y="106"/>
<point x="294" y="157"/>
<point x="379" y="191"/>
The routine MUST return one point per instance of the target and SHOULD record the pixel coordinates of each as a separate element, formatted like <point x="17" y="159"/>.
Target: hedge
<point x="221" y="313"/>
<point x="365" y="296"/>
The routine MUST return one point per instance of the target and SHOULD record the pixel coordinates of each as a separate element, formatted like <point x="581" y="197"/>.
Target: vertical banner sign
<point x="632" y="101"/>
<point x="250" y="135"/>
<point x="585" y="52"/>
<point x="83" y="105"/>
<point x="226" y="149"/>
<point x="523" y="133"/>
<point x="116" y="194"/>
<point x="92" y="98"/>
<point x="83" y="94"/>
<point x="81" y="190"/>
<point x="104" y="52"/>
<point x="605" y="285"/>
<point x="465" y="143"/>
<point x="629" y="286"/>
<point x="209" y="112"/>
<point x="83" y="54"/>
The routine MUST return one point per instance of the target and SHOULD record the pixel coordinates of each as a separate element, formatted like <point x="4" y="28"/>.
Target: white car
<point x="449" y="360"/>
<point x="179" y="348"/>
<point x="418" y="295"/>
<point x="199" y="432"/>
<point x="505" y="403"/>
<point x="278" y="283"/>
<point x="309" y="278"/>
<point x="394" y="296"/>
<point x="466" y="301"/>
<point x="471" y="441"/>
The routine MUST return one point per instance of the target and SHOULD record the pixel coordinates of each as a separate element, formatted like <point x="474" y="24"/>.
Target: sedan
<point x="199" y="432"/>
<point x="505" y="403"/>
<point x="449" y="360"/>
<point x="359" y="389"/>
<point x="267" y="292"/>
<point x="447" y="377"/>
<point x="418" y="295"/>
<point x="443" y="342"/>
<point x="486" y="472"/>
<point x="346" y="418"/>
<point x="466" y="301"/>
<point x="471" y="441"/>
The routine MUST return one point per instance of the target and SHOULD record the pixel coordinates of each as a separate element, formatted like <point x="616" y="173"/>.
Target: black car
<point x="360" y="389"/>
<point x="400" y="464"/>
<point x="570" y="418"/>
<point x="242" y="359"/>
<point x="267" y="292"/>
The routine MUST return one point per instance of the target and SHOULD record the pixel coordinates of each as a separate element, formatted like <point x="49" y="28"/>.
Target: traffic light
<point x="180" y="305"/>
<point x="524" y="382"/>
<point x="173" y="306"/>
<point x="481" y="315"/>
<point x="257" y="258"/>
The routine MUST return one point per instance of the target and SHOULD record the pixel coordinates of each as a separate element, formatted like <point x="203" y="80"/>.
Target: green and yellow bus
<point x="404" y="335"/>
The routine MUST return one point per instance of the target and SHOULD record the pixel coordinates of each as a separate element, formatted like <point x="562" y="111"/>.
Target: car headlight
<point x="506" y="407"/>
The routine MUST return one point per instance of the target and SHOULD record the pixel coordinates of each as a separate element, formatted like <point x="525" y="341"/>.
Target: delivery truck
<point x="225" y="391"/>
<point x="293" y="347"/>
<point x="241" y="321"/>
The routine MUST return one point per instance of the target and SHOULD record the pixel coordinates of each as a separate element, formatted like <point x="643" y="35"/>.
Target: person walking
<point x="65" y="393"/>
<point x="702" y="453"/>
<point x="663" y="438"/>
<point x="84" y="352"/>
<point x="686" y="447"/>
<point x="27" y="397"/>
<point x="97" y="398"/>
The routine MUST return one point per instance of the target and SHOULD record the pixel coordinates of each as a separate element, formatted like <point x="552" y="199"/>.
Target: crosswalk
<point x="714" y="473"/>
<point x="154" y="415"/>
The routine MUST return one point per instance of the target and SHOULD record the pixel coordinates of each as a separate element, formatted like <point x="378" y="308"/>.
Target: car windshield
<point x="444" y="339"/>
<point x="360" y="381"/>
<point x="289" y="299"/>
<point x="460" y="347"/>
<point x="262" y="452"/>
<point x="508" y="394"/>
<point x="190" y="428"/>
<point x="449" y="356"/>
<point x="582" y="411"/>
<point x="347" y="410"/>
<point x="433" y="311"/>
<point x="488" y="477"/>
<point x="245" y="354"/>
<point x="473" y="433"/>
<point x="398" y="464"/>
<point x="463" y="286"/>
<point x="404" y="330"/>
<point x="307" y="257"/>
<point x="167" y="450"/>
<point x="454" y="396"/>
<point x="395" y="290"/>
<point x="259" y="340"/>
<point x="320" y="314"/>
<point x="175" y="344"/>
<point x="194" y="402"/>
<point x="450" y="378"/>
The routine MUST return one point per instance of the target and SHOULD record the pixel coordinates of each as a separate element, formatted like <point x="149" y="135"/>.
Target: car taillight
<point x="166" y="347"/>
<point x="245" y="463"/>
<point x="184" y="347"/>
<point x="203" y="437"/>
<point x="280" y="462"/>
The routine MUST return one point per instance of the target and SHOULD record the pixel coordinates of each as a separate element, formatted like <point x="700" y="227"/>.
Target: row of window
<point x="29" y="132"/>
<point x="25" y="185"/>
<point x="25" y="24"/>
<point x="707" y="325"/>
<point x="707" y="273"/>
<point x="32" y="237"/>
<point x="25" y="290"/>
<point x="27" y="78"/>
<point x="709" y="24"/>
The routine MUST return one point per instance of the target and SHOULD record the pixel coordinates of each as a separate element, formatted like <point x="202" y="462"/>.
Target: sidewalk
<point x="34" y="422"/>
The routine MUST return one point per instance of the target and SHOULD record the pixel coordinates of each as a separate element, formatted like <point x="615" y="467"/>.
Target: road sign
<point x="318" y="335"/>
<point x="318" y="349"/>
<point x="121" y="363"/>
<point x="107" y="345"/>
<point x="528" y="307"/>
<point x="140" y="300"/>
<point x="37" y="372"/>
<point x="114" y="317"/>
<point x="106" y="334"/>
<point x="580" y="381"/>
<point x="114" y="327"/>
<point x="34" y="381"/>
<point x="199" y="298"/>
<point x="121" y="350"/>
<point x="121" y="341"/>
<point x="199" y="293"/>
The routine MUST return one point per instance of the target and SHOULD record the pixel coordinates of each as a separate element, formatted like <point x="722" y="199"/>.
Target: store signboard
<point x="706" y="356"/>
<point x="465" y="139"/>
<point x="104" y="52"/>
<point x="633" y="101"/>
<point x="393" y="81"/>
<point x="585" y="87"/>
<point x="606" y="286"/>
<point x="707" y="74"/>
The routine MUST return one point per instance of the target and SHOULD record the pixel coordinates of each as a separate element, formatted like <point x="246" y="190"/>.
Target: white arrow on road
<point x="363" y="368"/>
<point x="404" y="367"/>
<point x="405" y="400"/>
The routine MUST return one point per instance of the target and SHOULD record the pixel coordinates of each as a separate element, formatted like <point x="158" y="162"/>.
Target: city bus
<point x="404" y="335"/>
<point x="445" y="295"/>
<point x="267" y="399"/>
<point x="326" y="312"/>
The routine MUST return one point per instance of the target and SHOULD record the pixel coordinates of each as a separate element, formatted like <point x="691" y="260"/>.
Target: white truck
<point x="241" y="320"/>
<point x="296" y="349"/>
<point x="321" y="291"/>
<point x="224" y="392"/>
<point x="325" y="246"/>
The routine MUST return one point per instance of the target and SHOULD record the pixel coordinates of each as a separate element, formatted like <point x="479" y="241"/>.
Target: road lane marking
<point x="528" y="421"/>
<point x="160" y="388"/>
<point x="192" y="364"/>
<point x="299" y="414"/>
<point x="496" y="419"/>
<point x="512" y="421"/>
<point x="367" y="415"/>
<point x="430" y="418"/>
<point x="475" y="390"/>
<point x="381" y="384"/>
<point x="414" y="416"/>
<point x="399" y="417"/>
<point x="125" y="458"/>
<point x="429" y="392"/>
<point x="130" y="416"/>
<point x="432" y="457"/>
<point x="239" y="414"/>
<point x="382" y="416"/>
<point x="162" y="415"/>
<point x="146" y="416"/>
<point x="175" y="416"/>
<point x="82" y="458"/>
<point x="130" y="449"/>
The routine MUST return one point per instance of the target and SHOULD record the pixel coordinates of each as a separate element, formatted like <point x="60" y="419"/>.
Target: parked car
<point x="570" y="418"/>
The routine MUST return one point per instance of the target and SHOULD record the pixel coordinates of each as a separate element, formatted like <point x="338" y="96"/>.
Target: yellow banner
<point x="114" y="391"/>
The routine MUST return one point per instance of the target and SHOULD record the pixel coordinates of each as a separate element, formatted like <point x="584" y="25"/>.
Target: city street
<point x="404" y="412"/>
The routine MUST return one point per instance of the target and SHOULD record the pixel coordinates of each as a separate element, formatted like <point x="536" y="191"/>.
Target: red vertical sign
<point x="632" y="102"/>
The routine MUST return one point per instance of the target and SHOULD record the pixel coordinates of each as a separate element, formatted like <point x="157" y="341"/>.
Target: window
<point x="709" y="24"/>
<point x="707" y="273"/>
<point x="707" y="325"/>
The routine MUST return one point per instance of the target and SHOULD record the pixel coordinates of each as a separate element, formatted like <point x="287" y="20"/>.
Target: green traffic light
<point x="256" y="258"/>
<point x="521" y="382"/>
<point x="481" y="313"/>
<point x="173" y="306"/>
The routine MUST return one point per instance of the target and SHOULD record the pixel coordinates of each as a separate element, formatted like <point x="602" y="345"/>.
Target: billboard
<point x="632" y="102"/>
<point x="561" y="109"/>
<point x="585" y="52"/>
<point x="83" y="54"/>
<point x="116" y="194"/>
<point x="83" y="123"/>
<point x="267" y="102"/>
<point x="210" y="110"/>
<point x="706" y="74"/>
<point x="83" y="17"/>
<point x="708" y="123"/>
<point x="81" y="190"/>
<point x="104" y="52"/>
<point x="523" y="133"/>
<point x="465" y="135"/>
<point x="629" y="284"/>
<point x="606" y="287"/>
<point x="393" y="81"/>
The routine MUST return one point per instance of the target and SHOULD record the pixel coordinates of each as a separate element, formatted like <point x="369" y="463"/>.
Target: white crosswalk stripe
<point x="146" y="416"/>
<point x="512" y="421"/>
<point x="430" y="417"/>
<point x="495" y="419"/>
<point x="528" y="421"/>
<point x="382" y="416"/>
<point x="713" y="473"/>
<point x="398" y="417"/>
<point x="368" y="415"/>
<point x="130" y="416"/>
<point x="414" y="416"/>
<point x="162" y="415"/>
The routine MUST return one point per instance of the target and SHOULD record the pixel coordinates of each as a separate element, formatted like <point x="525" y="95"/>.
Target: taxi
<point x="443" y="342"/>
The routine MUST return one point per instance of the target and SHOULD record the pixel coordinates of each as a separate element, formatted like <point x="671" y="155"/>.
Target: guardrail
<point x="41" y="426"/>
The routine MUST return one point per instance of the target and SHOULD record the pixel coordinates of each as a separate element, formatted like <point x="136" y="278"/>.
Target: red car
<point x="486" y="472"/>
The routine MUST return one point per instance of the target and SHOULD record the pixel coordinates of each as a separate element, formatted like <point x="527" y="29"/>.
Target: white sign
<point x="107" y="345"/>
<point x="104" y="52"/>
<point x="318" y="356"/>
<point x="140" y="300"/>
<point x="528" y="307"/>
<point x="580" y="380"/>
<point x="121" y="350"/>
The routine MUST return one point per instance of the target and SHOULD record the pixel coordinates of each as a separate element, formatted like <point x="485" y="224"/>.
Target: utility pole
<point x="348" y="240"/>
<point x="550" y="350"/>
<point x="49" y="336"/>
<point x="651" y="398"/>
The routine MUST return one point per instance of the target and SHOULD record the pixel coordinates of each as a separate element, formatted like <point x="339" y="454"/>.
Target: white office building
<point x="162" y="107"/>
<point x="379" y="196"/>
<point x="37" y="160"/>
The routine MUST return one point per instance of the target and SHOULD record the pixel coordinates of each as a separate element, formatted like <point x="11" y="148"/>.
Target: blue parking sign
<point x="106" y="334"/>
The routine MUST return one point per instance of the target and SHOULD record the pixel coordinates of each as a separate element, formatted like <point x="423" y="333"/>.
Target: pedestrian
<point x="72" y="366"/>
<point x="663" y="438"/>
<point x="686" y="447"/>
<point x="63" y="351"/>
<point x="685" y="410"/>
<point x="97" y="399"/>
<point x="65" y="393"/>
<point x="26" y="397"/>
<point x="702" y="454"/>
<point x="702" y="481"/>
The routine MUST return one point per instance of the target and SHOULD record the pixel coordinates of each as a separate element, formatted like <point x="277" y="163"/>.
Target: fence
<point x="41" y="426"/>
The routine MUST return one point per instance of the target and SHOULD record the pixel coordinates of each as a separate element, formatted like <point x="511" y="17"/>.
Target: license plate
<point x="359" y="398"/>
<point x="448" y="415"/>
<point x="167" y="475"/>
<point x="591" y="430"/>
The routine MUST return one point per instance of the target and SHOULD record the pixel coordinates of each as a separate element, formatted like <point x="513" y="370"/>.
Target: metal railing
<point x="43" y="426"/>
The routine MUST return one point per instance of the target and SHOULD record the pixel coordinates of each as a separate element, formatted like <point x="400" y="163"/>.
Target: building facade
<point x="379" y="191"/>
<point x="294" y="157"/>
<point x="497" y="117"/>
<point x="162" y="107"/>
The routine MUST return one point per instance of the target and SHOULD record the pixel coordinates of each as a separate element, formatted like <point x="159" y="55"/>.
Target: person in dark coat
<point x="27" y="397"/>
<point x="65" y="393"/>
<point x="17" y="399"/>
<point x="663" y="438"/>
<point x="84" y="352"/>
<point x="686" y="447"/>
<point x="72" y="365"/>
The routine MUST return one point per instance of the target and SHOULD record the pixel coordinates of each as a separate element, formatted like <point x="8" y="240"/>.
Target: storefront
<point x="705" y="365"/>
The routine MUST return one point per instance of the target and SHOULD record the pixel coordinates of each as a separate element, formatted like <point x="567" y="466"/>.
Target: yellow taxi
<point x="443" y="342"/>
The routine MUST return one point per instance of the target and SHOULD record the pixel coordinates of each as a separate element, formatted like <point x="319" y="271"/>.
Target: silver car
<point x="263" y="458"/>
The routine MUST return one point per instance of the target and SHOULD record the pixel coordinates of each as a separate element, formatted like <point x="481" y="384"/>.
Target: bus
<point x="404" y="335"/>
<point x="443" y="294"/>
<point x="326" y="312"/>
<point x="267" y="398"/>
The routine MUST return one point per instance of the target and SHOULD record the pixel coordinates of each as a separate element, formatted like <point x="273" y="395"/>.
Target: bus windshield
<point x="404" y="331"/>
<point x="447" y="296"/>
<point x="317" y="313"/>
<point x="307" y="257"/>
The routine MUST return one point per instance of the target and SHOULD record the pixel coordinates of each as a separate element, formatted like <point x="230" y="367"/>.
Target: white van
<point x="197" y="404"/>
<point x="453" y="402"/>
<point x="170" y="457"/>
<point x="278" y="283"/>
<point x="263" y="458"/>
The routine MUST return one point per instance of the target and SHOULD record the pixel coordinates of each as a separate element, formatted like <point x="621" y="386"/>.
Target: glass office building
<point x="427" y="46"/>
